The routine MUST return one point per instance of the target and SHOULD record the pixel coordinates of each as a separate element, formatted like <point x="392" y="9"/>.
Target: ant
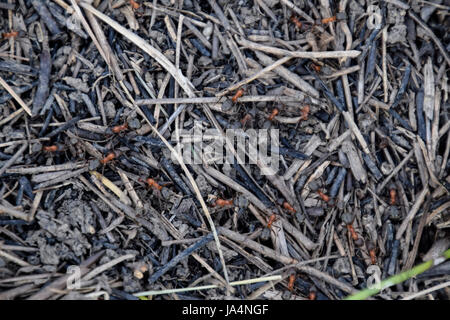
<point x="223" y="203"/>
<point x="272" y="219"/>
<point x="328" y="20"/>
<point x="11" y="34"/>
<point x="348" y="220"/>
<point x="110" y="156"/>
<point x="323" y="196"/>
<point x="155" y="186"/>
<point x="238" y="94"/>
<point x="304" y="112"/>
<point x="273" y="114"/>
<point x="316" y="67"/>
<point x="291" y="282"/>
<point x="119" y="128"/>
<point x="288" y="207"/>
<point x="393" y="196"/>
<point x="53" y="148"/>
<point x="330" y="201"/>
<point x="152" y="183"/>
<point x="294" y="19"/>
<point x="371" y="247"/>
<point x="134" y="4"/>
<point x="352" y="232"/>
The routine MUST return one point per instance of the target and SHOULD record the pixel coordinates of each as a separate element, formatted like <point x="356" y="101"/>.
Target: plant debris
<point x="112" y="113"/>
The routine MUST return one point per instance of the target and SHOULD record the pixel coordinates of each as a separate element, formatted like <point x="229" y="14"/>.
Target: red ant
<point x="11" y="34"/>
<point x="222" y="203"/>
<point x="288" y="207"/>
<point x="316" y="67"/>
<point x="301" y="25"/>
<point x="272" y="219"/>
<point x="323" y="196"/>
<point x="238" y="94"/>
<point x="328" y="20"/>
<point x="295" y="21"/>
<point x="110" y="156"/>
<point x="373" y="256"/>
<point x="134" y="4"/>
<point x="393" y="194"/>
<point x="352" y="232"/>
<point x="372" y="253"/>
<point x="348" y="220"/>
<point x="291" y="282"/>
<point x="304" y="112"/>
<point x="53" y="148"/>
<point x="119" y="128"/>
<point x="273" y="114"/>
<point x="152" y="183"/>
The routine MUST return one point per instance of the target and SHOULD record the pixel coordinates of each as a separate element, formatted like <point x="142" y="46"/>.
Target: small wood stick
<point x="13" y="213"/>
<point x="15" y="96"/>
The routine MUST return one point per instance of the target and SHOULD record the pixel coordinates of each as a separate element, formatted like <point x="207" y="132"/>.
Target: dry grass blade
<point x="299" y="54"/>
<point x="15" y="96"/>
<point x="254" y="76"/>
<point x="205" y="287"/>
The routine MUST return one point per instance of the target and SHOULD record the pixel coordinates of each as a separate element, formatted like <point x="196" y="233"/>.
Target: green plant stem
<point x="398" y="278"/>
